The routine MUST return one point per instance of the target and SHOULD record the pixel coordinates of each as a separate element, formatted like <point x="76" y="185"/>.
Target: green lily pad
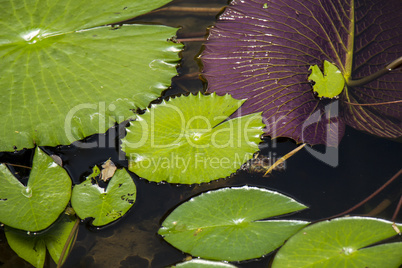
<point x="195" y="263"/>
<point x="327" y="85"/>
<point x="65" y="76"/>
<point x="36" y="206"/>
<point x="227" y="224"/>
<point x="90" y="200"/>
<point x="342" y="242"/>
<point x="32" y="248"/>
<point x="187" y="140"/>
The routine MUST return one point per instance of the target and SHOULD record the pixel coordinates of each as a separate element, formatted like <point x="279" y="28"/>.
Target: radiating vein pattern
<point x="262" y="51"/>
<point x="64" y="77"/>
<point x="377" y="44"/>
<point x="186" y="141"/>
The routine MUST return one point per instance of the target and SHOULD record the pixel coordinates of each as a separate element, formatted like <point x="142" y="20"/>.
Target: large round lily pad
<point x="65" y="76"/>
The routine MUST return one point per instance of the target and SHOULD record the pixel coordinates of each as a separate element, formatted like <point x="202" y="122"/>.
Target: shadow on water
<point x="366" y="162"/>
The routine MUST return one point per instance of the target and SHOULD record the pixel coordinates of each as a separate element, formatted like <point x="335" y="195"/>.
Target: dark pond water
<point x="365" y="163"/>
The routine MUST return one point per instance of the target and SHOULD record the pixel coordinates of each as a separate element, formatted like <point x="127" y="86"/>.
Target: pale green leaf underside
<point x="33" y="208"/>
<point x="90" y="200"/>
<point x="187" y="140"/>
<point x="32" y="248"/>
<point x="232" y="221"/>
<point x="343" y="242"/>
<point x="59" y="85"/>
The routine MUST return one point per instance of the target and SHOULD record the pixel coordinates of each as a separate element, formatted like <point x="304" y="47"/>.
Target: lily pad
<point x="228" y="224"/>
<point x="32" y="248"/>
<point x="328" y="84"/>
<point x="65" y="76"/>
<point x="90" y="200"/>
<point x="262" y="50"/>
<point x="343" y="242"/>
<point x="189" y="139"/>
<point x="195" y="263"/>
<point x="36" y="206"/>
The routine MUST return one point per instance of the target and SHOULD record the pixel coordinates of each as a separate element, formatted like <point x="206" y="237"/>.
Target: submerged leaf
<point x="188" y="139"/>
<point x="342" y="242"/>
<point x="90" y="200"/>
<point x="36" y="206"/>
<point x="228" y="224"/>
<point x="32" y="248"/>
<point x="262" y="50"/>
<point x="65" y="76"/>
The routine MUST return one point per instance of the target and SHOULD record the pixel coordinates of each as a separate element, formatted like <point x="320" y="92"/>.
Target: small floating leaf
<point x="228" y="224"/>
<point x="187" y="140"/>
<point x="90" y="200"/>
<point x="95" y="172"/>
<point x="328" y="85"/>
<point x="32" y="248"/>
<point x="343" y="242"/>
<point x="39" y="204"/>
<point x="195" y="263"/>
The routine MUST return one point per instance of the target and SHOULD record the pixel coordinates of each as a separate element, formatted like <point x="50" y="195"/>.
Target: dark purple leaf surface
<point x="262" y="50"/>
<point x="378" y="41"/>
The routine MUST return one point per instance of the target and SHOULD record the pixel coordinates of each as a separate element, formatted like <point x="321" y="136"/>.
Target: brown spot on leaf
<point x="108" y="170"/>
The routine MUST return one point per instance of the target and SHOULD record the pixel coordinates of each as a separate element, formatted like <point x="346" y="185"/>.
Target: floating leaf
<point x="328" y="84"/>
<point x="227" y="224"/>
<point x="32" y="248"/>
<point x="90" y="200"/>
<point x="195" y="263"/>
<point x="95" y="172"/>
<point x="39" y="204"/>
<point x="262" y="50"/>
<point x="187" y="140"/>
<point x="64" y="76"/>
<point x="343" y="242"/>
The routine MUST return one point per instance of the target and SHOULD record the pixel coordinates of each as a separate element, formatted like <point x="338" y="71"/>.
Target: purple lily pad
<point x="262" y="51"/>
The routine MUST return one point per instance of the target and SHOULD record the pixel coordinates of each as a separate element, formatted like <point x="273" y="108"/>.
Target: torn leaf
<point x="104" y="205"/>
